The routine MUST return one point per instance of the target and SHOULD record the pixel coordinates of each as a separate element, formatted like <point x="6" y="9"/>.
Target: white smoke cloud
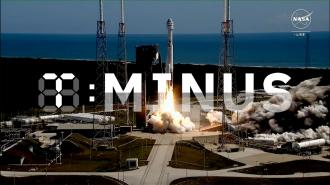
<point x="320" y="132"/>
<point x="308" y="110"/>
<point x="275" y="126"/>
<point x="323" y="132"/>
<point x="253" y="112"/>
<point x="309" y="90"/>
<point x="170" y="121"/>
<point x="317" y="109"/>
<point x="215" y="117"/>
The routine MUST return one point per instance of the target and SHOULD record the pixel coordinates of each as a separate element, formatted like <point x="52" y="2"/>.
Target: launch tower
<point x="122" y="73"/>
<point x="101" y="69"/>
<point x="225" y="63"/>
<point x="101" y="57"/>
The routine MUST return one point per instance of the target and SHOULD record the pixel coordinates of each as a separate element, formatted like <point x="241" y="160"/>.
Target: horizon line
<point x="35" y="33"/>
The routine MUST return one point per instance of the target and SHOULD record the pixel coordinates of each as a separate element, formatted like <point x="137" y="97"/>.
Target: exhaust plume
<point x="170" y="121"/>
<point x="215" y="117"/>
<point x="307" y="117"/>
<point x="320" y="132"/>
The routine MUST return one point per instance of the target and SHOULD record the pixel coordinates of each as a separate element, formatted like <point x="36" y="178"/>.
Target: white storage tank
<point x="310" y="143"/>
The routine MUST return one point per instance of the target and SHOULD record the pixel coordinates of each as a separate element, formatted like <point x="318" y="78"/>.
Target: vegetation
<point x="192" y="155"/>
<point x="23" y="150"/>
<point x="104" y="159"/>
<point x="286" y="168"/>
<point x="61" y="180"/>
<point x="80" y="154"/>
<point x="250" y="181"/>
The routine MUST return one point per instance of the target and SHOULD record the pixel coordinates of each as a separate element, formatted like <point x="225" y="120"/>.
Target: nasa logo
<point x="301" y="18"/>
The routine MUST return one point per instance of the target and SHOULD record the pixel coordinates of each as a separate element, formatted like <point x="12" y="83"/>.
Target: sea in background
<point x="250" y="49"/>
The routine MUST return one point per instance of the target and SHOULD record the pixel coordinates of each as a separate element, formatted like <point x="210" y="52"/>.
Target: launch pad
<point x="181" y="143"/>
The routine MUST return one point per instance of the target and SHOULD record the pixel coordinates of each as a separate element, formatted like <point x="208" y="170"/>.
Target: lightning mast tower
<point x="101" y="69"/>
<point x="122" y="72"/>
<point x="225" y="60"/>
<point x="122" y="34"/>
<point x="101" y="56"/>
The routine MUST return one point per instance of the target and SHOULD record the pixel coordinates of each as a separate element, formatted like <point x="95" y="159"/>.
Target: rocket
<point x="169" y="62"/>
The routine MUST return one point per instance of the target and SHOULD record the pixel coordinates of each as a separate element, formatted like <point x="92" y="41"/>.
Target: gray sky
<point x="149" y="16"/>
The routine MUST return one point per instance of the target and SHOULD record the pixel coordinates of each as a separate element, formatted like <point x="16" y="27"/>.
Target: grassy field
<point x="191" y="155"/>
<point x="286" y="168"/>
<point x="80" y="156"/>
<point x="23" y="149"/>
<point x="250" y="181"/>
<point x="60" y="180"/>
<point x="91" y="159"/>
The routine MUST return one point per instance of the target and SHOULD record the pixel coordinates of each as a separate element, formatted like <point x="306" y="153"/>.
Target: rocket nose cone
<point x="170" y="23"/>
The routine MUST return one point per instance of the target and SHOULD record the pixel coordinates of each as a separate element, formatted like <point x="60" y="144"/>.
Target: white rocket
<point x="169" y="62"/>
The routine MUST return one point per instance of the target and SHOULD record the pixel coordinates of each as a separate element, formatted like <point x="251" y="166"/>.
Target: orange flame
<point x="168" y="102"/>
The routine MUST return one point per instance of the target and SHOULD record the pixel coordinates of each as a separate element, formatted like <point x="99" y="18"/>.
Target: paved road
<point x="158" y="160"/>
<point x="170" y="174"/>
<point x="157" y="172"/>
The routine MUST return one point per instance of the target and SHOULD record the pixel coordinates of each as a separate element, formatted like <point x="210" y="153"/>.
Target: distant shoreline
<point x="248" y="49"/>
<point x="133" y="62"/>
<point x="114" y="34"/>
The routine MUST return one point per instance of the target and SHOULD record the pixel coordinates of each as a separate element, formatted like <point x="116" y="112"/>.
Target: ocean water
<point x="250" y="49"/>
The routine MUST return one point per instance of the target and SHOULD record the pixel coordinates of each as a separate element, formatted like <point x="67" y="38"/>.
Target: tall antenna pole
<point x="101" y="10"/>
<point x="101" y="68"/>
<point x="122" y="11"/>
<point x="226" y="11"/>
<point x="122" y="34"/>
<point x="122" y="72"/>
<point x="101" y="56"/>
<point x="226" y="57"/>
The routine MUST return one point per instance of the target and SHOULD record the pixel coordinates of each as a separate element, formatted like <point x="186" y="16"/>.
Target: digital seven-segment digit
<point x="91" y="87"/>
<point x="58" y="92"/>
